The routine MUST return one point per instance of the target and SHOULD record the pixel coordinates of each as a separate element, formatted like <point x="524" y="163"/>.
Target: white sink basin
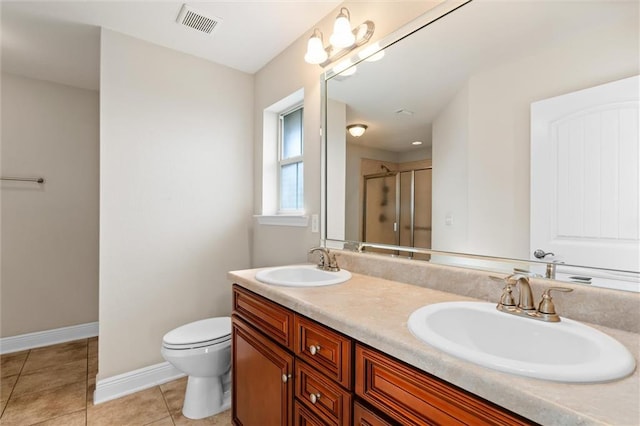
<point x="567" y="351"/>
<point x="301" y="276"/>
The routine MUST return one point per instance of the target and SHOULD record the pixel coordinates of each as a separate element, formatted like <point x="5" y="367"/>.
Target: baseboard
<point x="134" y="381"/>
<point x="47" y="337"/>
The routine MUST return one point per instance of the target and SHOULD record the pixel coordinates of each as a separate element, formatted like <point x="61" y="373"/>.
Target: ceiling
<point x="60" y="40"/>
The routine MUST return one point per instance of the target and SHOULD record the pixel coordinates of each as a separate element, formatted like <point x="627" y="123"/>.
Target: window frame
<point x="281" y="162"/>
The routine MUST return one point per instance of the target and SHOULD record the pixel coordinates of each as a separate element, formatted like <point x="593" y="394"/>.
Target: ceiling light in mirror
<point x="416" y="143"/>
<point x="357" y="130"/>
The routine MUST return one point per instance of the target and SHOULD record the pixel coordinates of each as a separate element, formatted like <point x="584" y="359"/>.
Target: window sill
<point x="283" y="220"/>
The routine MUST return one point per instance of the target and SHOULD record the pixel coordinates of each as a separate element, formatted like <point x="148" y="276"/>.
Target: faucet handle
<point x="547" y="307"/>
<point x="506" y="299"/>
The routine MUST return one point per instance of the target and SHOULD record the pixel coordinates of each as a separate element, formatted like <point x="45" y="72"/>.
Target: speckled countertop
<point x="375" y="311"/>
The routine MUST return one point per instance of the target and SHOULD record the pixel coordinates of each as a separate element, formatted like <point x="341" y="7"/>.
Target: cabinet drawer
<point x="265" y="315"/>
<point x="409" y="395"/>
<point x="362" y="416"/>
<point x="302" y="416"/>
<point x="324" y="349"/>
<point x="321" y="395"/>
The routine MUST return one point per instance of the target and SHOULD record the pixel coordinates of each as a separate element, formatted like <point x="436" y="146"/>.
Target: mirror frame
<point x="419" y="23"/>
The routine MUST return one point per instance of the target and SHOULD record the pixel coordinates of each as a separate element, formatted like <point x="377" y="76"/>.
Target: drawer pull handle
<point x="285" y="378"/>
<point x="314" y="397"/>
<point x="314" y="349"/>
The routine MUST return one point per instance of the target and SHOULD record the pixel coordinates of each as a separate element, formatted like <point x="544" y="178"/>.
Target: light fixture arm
<point x="363" y="34"/>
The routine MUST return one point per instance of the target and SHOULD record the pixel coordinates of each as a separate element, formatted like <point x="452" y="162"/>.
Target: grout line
<point x="167" y="405"/>
<point x="15" y="384"/>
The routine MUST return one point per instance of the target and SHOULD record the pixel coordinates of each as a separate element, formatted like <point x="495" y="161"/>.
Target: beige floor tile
<point x="174" y="396"/>
<point x="51" y="377"/>
<point x="55" y="355"/>
<point x="11" y="364"/>
<point x="40" y="406"/>
<point x="93" y="366"/>
<point x="92" y="344"/>
<point x="6" y="386"/>
<point x="162" y="422"/>
<point x="91" y="388"/>
<point x="79" y="418"/>
<point x="221" y="419"/>
<point x="139" y="408"/>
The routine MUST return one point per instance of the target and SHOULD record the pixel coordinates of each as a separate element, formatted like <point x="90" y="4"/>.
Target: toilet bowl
<point x="202" y="350"/>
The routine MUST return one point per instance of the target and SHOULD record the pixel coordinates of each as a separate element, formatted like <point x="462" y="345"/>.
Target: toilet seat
<point x="198" y="334"/>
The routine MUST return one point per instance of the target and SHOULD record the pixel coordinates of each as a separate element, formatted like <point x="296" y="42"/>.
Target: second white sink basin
<point x="301" y="276"/>
<point x="567" y="351"/>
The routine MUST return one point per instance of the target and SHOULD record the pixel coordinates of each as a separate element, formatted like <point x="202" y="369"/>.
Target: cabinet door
<point x="262" y="379"/>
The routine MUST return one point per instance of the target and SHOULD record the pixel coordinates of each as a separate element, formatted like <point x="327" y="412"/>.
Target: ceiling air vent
<point x="197" y="20"/>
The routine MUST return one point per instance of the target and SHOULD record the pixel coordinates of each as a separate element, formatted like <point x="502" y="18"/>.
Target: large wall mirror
<point x="500" y="130"/>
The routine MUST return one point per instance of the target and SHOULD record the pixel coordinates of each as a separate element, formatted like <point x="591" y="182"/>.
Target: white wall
<point x="176" y="184"/>
<point x="450" y="181"/>
<point x="336" y="169"/>
<point x="49" y="231"/>
<point x="273" y="245"/>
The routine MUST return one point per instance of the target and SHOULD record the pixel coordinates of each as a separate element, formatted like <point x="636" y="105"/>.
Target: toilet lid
<point x="212" y="330"/>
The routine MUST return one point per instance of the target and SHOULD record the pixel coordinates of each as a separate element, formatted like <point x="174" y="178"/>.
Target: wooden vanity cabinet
<point x="272" y="349"/>
<point x="290" y="370"/>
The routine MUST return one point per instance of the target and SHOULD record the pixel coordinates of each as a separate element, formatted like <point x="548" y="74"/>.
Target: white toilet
<point x="202" y="350"/>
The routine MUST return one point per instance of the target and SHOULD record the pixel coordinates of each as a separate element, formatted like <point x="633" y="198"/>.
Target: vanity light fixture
<point x="342" y="36"/>
<point x="416" y="143"/>
<point x="343" y="40"/>
<point x="356" y="130"/>
<point x="316" y="54"/>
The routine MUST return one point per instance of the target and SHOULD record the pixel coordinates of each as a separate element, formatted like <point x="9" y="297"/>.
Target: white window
<point x="282" y="163"/>
<point x="290" y="161"/>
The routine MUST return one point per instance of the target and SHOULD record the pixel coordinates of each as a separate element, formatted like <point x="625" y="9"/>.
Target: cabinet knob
<point x="314" y="349"/>
<point x="285" y="378"/>
<point x="314" y="397"/>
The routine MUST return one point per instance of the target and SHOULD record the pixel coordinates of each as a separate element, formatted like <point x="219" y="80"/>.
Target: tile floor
<point x="53" y="386"/>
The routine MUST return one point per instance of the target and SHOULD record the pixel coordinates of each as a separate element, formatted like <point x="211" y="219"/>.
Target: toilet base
<point x="205" y="397"/>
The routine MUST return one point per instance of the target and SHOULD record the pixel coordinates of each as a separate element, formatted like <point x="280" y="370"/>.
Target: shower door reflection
<point x="397" y="209"/>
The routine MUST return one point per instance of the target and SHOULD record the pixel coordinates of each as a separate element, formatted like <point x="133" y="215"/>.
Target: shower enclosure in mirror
<point x="524" y="116"/>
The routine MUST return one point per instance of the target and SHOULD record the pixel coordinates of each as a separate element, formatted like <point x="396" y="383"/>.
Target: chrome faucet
<point x="525" y="308"/>
<point x="328" y="260"/>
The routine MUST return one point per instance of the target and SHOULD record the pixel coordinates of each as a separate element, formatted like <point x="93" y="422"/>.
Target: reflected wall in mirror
<point x="467" y="87"/>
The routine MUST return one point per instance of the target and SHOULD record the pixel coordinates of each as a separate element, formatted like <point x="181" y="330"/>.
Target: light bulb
<point x="315" y="50"/>
<point x="342" y="35"/>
